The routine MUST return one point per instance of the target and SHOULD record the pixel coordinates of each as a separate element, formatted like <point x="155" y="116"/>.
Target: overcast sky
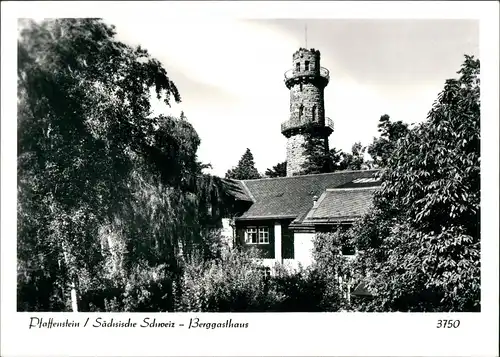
<point x="230" y="75"/>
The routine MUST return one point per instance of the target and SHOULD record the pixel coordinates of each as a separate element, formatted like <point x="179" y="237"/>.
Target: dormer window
<point x="297" y="66"/>
<point x="307" y="66"/>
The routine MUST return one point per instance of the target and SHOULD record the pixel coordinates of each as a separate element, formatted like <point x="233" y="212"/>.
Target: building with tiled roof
<point x="281" y="216"/>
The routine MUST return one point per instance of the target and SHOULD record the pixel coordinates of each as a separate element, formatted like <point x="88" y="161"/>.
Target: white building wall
<point x="277" y="241"/>
<point x="303" y="247"/>
<point x="269" y="263"/>
<point x="227" y="234"/>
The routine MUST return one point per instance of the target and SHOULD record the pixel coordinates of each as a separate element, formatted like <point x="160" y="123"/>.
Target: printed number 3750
<point x="448" y="323"/>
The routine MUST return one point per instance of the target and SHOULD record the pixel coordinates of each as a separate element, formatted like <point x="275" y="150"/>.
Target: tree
<point x="245" y="170"/>
<point x="318" y="160"/>
<point x="354" y="160"/>
<point x="390" y="132"/>
<point x="95" y="169"/>
<point x="421" y="241"/>
<point x="279" y="170"/>
<point x="80" y="107"/>
<point x="334" y="267"/>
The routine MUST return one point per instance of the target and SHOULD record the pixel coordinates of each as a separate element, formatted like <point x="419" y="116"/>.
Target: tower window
<point x="297" y="66"/>
<point x="301" y="87"/>
<point x="301" y="111"/>
<point x="314" y="113"/>
<point x="307" y="65"/>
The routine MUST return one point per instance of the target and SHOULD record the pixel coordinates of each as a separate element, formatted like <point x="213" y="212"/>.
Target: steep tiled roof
<point x="290" y="197"/>
<point x="238" y="190"/>
<point x="341" y="204"/>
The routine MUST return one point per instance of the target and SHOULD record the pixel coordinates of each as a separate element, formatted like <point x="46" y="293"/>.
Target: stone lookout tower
<point x="306" y="82"/>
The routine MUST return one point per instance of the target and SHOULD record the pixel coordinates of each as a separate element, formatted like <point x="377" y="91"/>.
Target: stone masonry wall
<point x="311" y="98"/>
<point x="307" y="105"/>
<point x="295" y="154"/>
<point x="311" y="57"/>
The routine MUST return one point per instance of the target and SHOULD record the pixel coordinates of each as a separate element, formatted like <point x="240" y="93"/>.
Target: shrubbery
<point x="238" y="283"/>
<point x="301" y="290"/>
<point x="233" y="283"/>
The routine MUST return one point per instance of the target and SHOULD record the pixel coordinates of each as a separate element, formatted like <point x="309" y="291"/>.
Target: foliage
<point x="142" y="289"/>
<point x="335" y="268"/>
<point x="302" y="290"/>
<point x="424" y="272"/>
<point x="319" y="160"/>
<point x="102" y="184"/>
<point x="233" y="283"/>
<point x="237" y="283"/>
<point x="382" y="147"/>
<point x="421" y="240"/>
<point x="435" y="172"/>
<point x="355" y="160"/>
<point x="279" y="170"/>
<point x="245" y="170"/>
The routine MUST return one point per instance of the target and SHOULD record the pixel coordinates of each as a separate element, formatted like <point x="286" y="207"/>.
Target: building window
<point x="314" y="113"/>
<point x="251" y="235"/>
<point x="257" y="235"/>
<point x="307" y="65"/>
<point x="297" y="66"/>
<point x="301" y="111"/>
<point x="300" y="86"/>
<point x="263" y="235"/>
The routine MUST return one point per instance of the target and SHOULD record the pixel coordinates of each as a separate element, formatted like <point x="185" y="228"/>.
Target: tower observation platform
<point x="293" y="76"/>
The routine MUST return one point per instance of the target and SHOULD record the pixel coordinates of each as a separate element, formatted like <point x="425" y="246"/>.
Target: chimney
<point x="315" y="201"/>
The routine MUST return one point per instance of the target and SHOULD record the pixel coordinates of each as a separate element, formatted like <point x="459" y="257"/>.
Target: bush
<point x="334" y="269"/>
<point x="143" y="289"/>
<point x="233" y="283"/>
<point x="302" y="290"/>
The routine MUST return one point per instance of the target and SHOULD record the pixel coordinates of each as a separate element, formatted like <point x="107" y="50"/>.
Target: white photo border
<point x="268" y="334"/>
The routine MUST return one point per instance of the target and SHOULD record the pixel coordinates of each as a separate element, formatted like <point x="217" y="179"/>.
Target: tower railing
<point x="292" y="73"/>
<point x="296" y="123"/>
<point x="329" y="123"/>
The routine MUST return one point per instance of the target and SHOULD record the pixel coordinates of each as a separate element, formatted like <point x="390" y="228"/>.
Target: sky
<point x="230" y="75"/>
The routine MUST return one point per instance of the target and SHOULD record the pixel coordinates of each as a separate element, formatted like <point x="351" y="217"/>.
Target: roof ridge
<point x="322" y="174"/>
<point x="247" y="191"/>
<point x="352" y="188"/>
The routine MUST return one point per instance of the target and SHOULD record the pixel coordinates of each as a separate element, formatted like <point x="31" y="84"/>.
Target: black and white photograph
<point x="248" y="165"/>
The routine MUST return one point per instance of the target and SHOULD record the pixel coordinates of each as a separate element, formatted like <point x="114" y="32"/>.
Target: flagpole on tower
<point x="306" y="34"/>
